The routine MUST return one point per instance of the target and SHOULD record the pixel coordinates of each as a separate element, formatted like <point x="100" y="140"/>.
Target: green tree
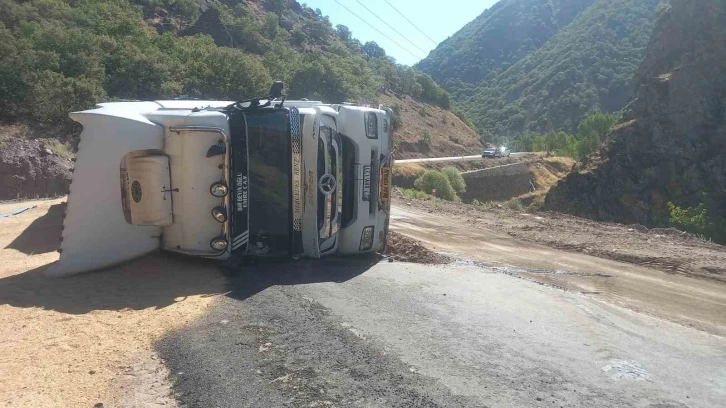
<point x="455" y="179"/>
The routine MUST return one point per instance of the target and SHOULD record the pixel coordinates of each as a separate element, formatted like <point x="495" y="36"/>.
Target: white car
<point x="495" y="152"/>
<point x="262" y="177"/>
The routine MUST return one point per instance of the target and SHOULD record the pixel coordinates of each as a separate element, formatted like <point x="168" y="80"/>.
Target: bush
<point x="437" y="180"/>
<point x="396" y="118"/>
<point x="427" y="138"/>
<point x="537" y="204"/>
<point x="475" y="202"/>
<point x="514" y="204"/>
<point x="455" y="179"/>
<point x="696" y="220"/>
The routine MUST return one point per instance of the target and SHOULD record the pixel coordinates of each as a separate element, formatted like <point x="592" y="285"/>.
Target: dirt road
<point x="694" y="302"/>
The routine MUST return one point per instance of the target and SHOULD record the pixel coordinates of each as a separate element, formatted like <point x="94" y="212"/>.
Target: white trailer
<point x="257" y="178"/>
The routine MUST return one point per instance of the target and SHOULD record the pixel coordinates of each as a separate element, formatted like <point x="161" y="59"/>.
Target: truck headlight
<point x="371" y="125"/>
<point x="366" y="238"/>
<point x="218" y="189"/>
<point x="219" y="243"/>
<point x="219" y="213"/>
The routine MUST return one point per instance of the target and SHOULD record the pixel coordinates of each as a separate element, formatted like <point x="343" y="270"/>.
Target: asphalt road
<point x="455" y="158"/>
<point x="362" y="333"/>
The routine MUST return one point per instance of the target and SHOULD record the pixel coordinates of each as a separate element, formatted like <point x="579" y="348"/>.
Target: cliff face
<point x="671" y="145"/>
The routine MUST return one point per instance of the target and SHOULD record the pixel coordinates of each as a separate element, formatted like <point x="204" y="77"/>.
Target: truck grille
<point x="296" y="170"/>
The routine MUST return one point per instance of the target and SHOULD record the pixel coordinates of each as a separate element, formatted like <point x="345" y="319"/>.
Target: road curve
<point x="454" y="158"/>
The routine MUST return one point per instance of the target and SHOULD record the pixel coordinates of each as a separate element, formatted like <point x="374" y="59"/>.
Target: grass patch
<point x="417" y="194"/>
<point x="59" y="148"/>
<point x="408" y="170"/>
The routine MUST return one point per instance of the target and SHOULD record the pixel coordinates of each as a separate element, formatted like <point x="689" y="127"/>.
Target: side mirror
<point x="276" y="89"/>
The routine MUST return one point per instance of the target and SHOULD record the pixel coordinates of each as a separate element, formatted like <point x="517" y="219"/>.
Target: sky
<point x="438" y="19"/>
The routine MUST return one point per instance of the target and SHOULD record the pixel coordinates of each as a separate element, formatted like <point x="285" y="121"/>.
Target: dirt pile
<point x="671" y="145"/>
<point x="30" y="168"/>
<point x="405" y="249"/>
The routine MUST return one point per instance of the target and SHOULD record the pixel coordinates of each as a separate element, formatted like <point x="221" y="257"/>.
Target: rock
<point x="91" y="372"/>
<point x="48" y="152"/>
<point x="639" y="228"/>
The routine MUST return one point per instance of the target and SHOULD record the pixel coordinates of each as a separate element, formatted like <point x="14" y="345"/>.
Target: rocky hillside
<point x="538" y="65"/>
<point x="671" y="146"/>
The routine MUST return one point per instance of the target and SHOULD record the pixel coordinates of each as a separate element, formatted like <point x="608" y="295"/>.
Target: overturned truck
<point x="263" y="177"/>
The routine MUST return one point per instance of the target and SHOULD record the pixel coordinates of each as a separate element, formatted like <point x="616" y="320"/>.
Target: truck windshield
<point x="270" y="191"/>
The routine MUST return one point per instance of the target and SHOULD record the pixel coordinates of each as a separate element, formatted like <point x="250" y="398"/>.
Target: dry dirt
<point x="686" y="295"/>
<point x="405" y="249"/>
<point x="84" y="340"/>
<point x="449" y="135"/>
<point x="667" y="250"/>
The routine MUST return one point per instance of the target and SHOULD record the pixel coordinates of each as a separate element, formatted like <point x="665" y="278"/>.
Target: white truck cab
<point x="257" y="178"/>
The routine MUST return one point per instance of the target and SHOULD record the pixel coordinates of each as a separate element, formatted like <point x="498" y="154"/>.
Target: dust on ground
<point x="405" y="249"/>
<point x="667" y="250"/>
<point x="88" y="339"/>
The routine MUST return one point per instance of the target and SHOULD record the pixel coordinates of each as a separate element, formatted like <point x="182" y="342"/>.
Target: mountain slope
<point x="63" y="56"/>
<point x="587" y="65"/>
<point x="425" y="130"/>
<point x="498" y="38"/>
<point x="671" y="147"/>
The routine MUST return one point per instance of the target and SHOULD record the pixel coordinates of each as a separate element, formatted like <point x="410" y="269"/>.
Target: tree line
<point x="592" y="131"/>
<point x="58" y="56"/>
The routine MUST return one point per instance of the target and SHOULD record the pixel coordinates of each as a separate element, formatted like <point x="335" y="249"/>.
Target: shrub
<point x="475" y="202"/>
<point x="514" y="204"/>
<point x="396" y="118"/>
<point x="437" y="180"/>
<point x="422" y="111"/>
<point x="537" y="203"/>
<point x="697" y="221"/>
<point x="427" y="138"/>
<point x="455" y="179"/>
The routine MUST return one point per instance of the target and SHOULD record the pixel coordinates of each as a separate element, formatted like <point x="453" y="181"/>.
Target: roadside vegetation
<point x="697" y="220"/>
<point x="447" y="183"/>
<point x="592" y="131"/>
